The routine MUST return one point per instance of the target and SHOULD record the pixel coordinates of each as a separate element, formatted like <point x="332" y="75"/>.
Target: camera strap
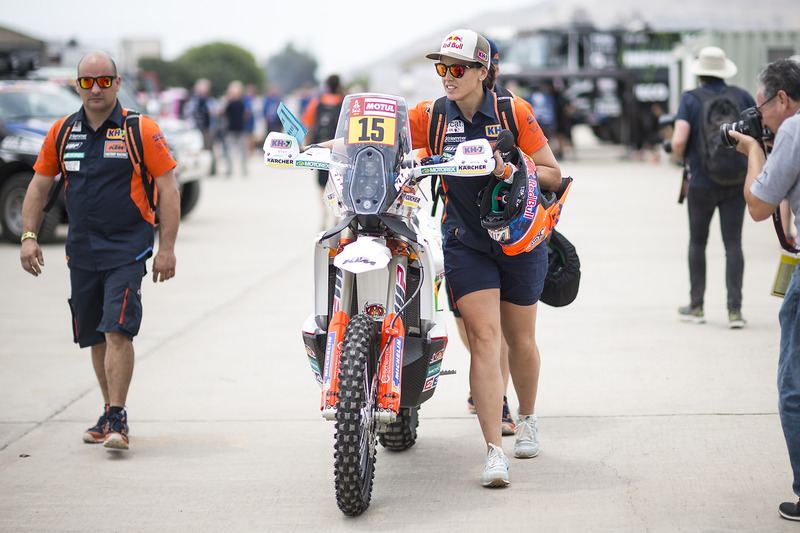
<point x="777" y="222"/>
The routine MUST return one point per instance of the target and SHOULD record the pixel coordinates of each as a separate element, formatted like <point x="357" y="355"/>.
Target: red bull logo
<point x="283" y="144"/>
<point x="453" y="42"/>
<point x="530" y="204"/>
<point x="375" y="310"/>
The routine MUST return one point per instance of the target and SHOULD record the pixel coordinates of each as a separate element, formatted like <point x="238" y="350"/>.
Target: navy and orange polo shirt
<point x="462" y="212"/>
<point x="110" y="221"/>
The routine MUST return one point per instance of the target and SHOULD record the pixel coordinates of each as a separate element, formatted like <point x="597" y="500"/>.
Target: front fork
<point x="392" y="342"/>
<point x="342" y="299"/>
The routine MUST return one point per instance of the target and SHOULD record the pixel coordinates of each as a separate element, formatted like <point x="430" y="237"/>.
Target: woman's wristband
<point x="506" y="172"/>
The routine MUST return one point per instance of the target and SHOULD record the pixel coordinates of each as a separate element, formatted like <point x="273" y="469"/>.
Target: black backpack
<point x="723" y="165"/>
<point x="327" y="117"/>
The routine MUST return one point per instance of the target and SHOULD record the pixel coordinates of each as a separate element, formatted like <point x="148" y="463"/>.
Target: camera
<point x="750" y="125"/>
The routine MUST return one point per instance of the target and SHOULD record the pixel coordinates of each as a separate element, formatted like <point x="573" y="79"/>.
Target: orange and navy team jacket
<point x="110" y="221"/>
<point x="461" y="216"/>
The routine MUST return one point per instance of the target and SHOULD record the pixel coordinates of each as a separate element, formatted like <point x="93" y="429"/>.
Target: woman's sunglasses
<point x="104" y="82"/>
<point x="457" y="71"/>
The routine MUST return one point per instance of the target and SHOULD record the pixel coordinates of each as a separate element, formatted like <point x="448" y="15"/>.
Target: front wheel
<point x="356" y="427"/>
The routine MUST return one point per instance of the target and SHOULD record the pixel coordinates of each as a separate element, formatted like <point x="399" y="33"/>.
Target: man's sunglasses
<point x="457" y="71"/>
<point x="104" y="82"/>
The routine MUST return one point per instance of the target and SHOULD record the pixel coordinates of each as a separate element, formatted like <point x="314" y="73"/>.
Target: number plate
<point x="372" y="121"/>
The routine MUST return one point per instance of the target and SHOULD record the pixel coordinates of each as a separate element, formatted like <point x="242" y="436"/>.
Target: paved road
<point x="647" y="423"/>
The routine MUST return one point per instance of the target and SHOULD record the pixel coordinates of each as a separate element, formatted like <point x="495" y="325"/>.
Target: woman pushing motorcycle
<point x="495" y="293"/>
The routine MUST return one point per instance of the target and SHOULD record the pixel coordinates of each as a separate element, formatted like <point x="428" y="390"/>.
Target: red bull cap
<point x="464" y="45"/>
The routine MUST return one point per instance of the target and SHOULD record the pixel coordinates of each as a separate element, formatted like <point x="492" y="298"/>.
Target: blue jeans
<point x="702" y="203"/>
<point x="789" y="374"/>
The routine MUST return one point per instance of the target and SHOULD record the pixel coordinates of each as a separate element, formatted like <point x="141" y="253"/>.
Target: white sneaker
<point x="495" y="469"/>
<point x="527" y="443"/>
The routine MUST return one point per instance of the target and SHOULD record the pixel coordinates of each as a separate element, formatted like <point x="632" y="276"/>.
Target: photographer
<point x="715" y="179"/>
<point x="768" y="182"/>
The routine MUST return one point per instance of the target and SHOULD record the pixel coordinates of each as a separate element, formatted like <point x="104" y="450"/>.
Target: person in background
<point x="320" y="118"/>
<point x="706" y="195"/>
<point x="249" y="98"/>
<point x="270" y="108"/>
<point x="111" y="233"/>
<point x="509" y="427"/>
<point x="236" y="117"/>
<point x="201" y="110"/>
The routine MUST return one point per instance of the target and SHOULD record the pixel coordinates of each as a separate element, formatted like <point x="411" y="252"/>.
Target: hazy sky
<point x="339" y="34"/>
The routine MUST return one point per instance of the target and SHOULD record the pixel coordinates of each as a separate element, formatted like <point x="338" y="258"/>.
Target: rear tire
<point x="402" y="433"/>
<point x="356" y="427"/>
<point x="12" y="196"/>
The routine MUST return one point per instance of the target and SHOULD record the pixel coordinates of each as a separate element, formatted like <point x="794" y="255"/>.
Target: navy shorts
<point x="108" y="301"/>
<point x="520" y="278"/>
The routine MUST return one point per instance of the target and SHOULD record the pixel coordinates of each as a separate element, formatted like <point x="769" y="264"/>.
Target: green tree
<point x="169" y="73"/>
<point x="291" y="69"/>
<point x="221" y="63"/>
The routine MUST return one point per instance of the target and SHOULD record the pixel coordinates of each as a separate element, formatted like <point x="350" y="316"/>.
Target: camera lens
<point x="727" y="140"/>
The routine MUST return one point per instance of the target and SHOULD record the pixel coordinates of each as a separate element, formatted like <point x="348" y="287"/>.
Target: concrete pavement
<point x="646" y="423"/>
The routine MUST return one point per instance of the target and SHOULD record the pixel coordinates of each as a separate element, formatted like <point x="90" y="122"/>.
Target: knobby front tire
<point x="356" y="427"/>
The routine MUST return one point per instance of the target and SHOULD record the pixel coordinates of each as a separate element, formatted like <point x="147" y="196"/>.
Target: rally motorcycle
<point x="376" y="337"/>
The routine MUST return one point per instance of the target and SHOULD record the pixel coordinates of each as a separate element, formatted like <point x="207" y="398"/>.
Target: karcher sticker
<point x="280" y="162"/>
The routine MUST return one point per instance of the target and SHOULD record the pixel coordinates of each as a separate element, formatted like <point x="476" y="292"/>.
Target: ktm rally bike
<point x="376" y="337"/>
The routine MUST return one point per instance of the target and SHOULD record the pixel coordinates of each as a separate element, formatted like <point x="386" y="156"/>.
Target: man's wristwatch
<point x="27" y="235"/>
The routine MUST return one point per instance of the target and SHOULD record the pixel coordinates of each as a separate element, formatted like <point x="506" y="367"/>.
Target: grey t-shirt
<point x="780" y="177"/>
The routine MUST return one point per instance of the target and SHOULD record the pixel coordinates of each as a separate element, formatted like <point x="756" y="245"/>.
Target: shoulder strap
<point x="437" y="127"/>
<point x="135" y="147"/>
<point x="61" y="138"/>
<point x="504" y="106"/>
